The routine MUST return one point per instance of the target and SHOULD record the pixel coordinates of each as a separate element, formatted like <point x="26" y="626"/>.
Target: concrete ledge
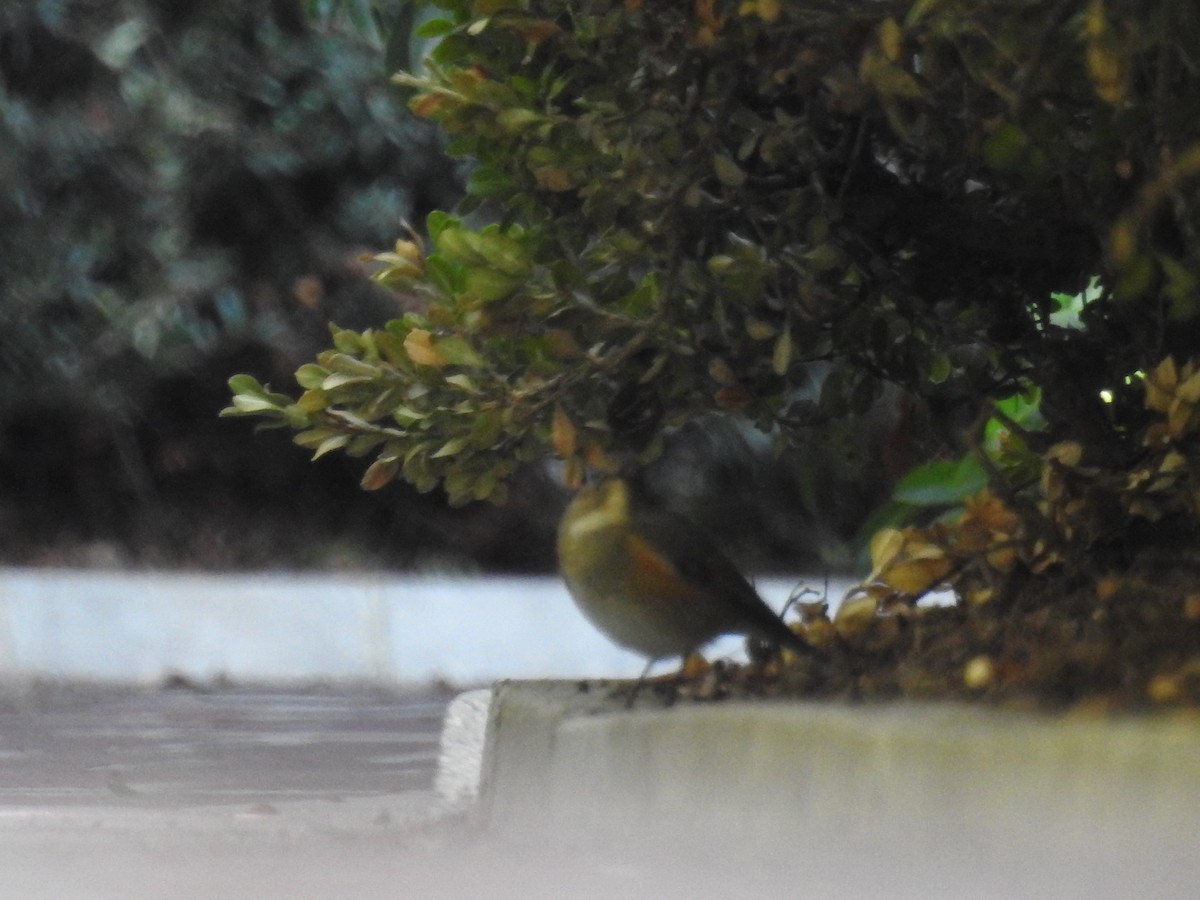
<point x="279" y="627"/>
<point x="1030" y="804"/>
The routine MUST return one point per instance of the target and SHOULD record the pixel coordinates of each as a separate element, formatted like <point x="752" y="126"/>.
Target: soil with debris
<point x="1051" y="647"/>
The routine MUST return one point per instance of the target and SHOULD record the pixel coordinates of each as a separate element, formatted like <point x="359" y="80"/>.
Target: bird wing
<point x="659" y="572"/>
<point x="687" y="551"/>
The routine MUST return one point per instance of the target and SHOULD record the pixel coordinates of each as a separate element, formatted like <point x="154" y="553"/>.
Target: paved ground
<point x="178" y="747"/>
<point x="229" y="793"/>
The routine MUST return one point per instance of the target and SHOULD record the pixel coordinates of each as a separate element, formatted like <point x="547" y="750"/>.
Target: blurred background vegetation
<point x="186" y="188"/>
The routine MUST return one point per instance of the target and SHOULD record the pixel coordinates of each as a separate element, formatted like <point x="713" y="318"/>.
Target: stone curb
<point x="1107" y="803"/>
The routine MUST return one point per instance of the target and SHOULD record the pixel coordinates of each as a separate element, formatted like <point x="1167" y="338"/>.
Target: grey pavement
<point x="71" y="745"/>
<point x="177" y="792"/>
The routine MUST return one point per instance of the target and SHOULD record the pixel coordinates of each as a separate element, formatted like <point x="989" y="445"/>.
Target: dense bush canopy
<point x="696" y="204"/>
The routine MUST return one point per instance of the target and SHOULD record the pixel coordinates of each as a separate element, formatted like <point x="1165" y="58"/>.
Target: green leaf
<point x="487" y="428"/>
<point x="297" y="416"/>
<point x="347" y="341"/>
<point x="247" y="403"/>
<point x="406" y="416"/>
<point x="517" y="119"/>
<point x="459" y="245"/>
<point x="504" y="252"/>
<point x="311" y="377"/>
<point x="485" y="486"/>
<point x="728" y="172"/>
<point x="458" y="352"/>
<point x="434" y="28"/>
<point x="337" y="442"/>
<point x="825" y="257"/>
<point x="337" y="379"/>
<point x="314" y="437"/>
<point x="486" y="181"/>
<point x="939" y="368"/>
<point x="341" y="364"/>
<point x="245" y="384"/>
<point x="1005" y="148"/>
<point x="379" y="473"/>
<point x="362" y="444"/>
<point x="444" y="275"/>
<point x="781" y="355"/>
<point x="458" y="484"/>
<point x="451" y="49"/>
<point x="312" y="402"/>
<point x="485" y="285"/>
<point x="942" y="482"/>
<point x="452" y="447"/>
<point x="437" y="222"/>
<point x="391" y="348"/>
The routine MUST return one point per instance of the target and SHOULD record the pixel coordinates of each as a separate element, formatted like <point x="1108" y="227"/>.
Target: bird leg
<point x="637" y="685"/>
<point x="692" y="667"/>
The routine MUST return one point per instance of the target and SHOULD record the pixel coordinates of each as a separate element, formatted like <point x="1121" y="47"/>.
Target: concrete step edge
<point x="565" y="764"/>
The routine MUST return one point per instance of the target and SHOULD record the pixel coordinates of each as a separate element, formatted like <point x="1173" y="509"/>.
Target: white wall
<point x="142" y="626"/>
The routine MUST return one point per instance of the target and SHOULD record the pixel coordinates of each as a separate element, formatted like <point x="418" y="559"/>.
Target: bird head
<point x="598" y="507"/>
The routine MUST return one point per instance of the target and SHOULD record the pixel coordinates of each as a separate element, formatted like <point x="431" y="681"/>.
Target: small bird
<point x="655" y="583"/>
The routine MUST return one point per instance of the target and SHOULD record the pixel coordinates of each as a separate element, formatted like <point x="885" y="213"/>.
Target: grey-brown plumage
<point x="654" y="582"/>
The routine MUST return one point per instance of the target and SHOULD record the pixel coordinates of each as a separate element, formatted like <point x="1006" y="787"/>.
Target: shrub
<point x="695" y="205"/>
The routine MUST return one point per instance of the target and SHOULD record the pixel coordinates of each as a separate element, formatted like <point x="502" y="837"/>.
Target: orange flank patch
<point x="654" y="572"/>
